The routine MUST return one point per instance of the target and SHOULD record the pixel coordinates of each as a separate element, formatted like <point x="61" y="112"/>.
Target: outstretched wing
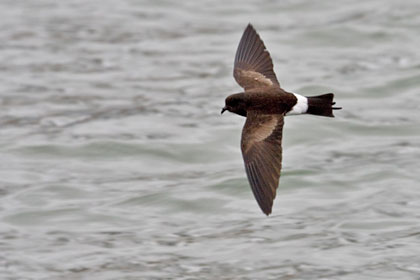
<point x="253" y="65"/>
<point x="262" y="154"/>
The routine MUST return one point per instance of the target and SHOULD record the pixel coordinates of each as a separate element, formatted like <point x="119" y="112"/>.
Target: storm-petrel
<point x="264" y="104"/>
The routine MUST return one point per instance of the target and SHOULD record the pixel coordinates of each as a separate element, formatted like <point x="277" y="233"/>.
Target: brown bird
<point x="264" y="104"/>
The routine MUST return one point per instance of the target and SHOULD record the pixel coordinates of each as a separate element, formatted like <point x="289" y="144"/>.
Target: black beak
<point x="224" y="109"/>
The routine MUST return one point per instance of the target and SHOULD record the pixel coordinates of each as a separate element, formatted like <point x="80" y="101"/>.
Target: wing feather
<point x="253" y="65"/>
<point x="262" y="154"/>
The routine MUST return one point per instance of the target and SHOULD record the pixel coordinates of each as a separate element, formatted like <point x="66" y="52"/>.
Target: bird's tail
<point x="322" y="105"/>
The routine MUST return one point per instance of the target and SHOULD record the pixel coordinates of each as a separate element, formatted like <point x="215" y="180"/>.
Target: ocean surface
<point x="116" y="163"/>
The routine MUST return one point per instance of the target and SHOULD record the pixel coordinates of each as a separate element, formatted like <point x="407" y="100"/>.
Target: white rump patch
<point x="301" y="107"/>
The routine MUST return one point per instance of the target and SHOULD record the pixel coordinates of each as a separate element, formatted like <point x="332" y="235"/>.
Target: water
<point x="116" y="163"/>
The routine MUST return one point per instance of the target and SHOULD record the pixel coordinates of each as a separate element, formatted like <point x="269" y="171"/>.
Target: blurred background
<point x="116" y="162"/>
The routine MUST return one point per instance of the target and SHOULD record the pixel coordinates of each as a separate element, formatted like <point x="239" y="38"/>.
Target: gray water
<point x="116" y="162"/>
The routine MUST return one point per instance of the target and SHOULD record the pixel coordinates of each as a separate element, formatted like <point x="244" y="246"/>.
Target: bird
<point x="265" y="104"/>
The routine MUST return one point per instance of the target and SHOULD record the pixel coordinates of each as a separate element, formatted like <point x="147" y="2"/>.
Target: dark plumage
<point x="264" y="104"/>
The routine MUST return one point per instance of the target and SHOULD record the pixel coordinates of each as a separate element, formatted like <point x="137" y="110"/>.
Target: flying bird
<point x="265" y="104"/>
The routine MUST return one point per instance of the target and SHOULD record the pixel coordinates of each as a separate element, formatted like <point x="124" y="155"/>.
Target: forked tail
<point x="322" y="105"/>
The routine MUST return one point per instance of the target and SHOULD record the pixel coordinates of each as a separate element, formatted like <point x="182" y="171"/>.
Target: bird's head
<point x="235" y="103"/>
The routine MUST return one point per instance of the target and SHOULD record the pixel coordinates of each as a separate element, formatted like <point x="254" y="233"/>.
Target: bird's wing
<point x="262" y="154"/>
<point x="253" y="65"/>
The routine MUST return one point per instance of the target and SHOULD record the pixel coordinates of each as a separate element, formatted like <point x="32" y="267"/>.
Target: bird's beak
<point x="224" y="109"/>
